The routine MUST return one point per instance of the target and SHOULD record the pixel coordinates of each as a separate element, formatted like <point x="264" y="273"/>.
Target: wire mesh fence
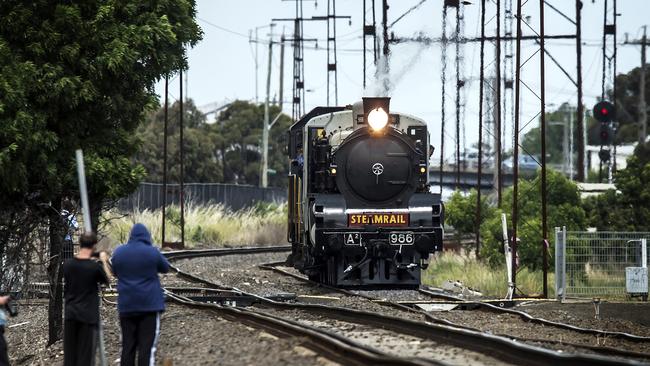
<point x="592" y="264"/>
<point x="234" y="196"/>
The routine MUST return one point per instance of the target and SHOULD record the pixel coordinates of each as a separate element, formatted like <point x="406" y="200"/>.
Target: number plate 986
<point x="400" y="238"/>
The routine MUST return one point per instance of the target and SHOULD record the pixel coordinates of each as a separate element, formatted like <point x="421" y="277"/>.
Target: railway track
<point x="609" y="351"/>
<point x="482" y="305"/>
<point x="329" y="344"/>
<point x="505" y="349"/>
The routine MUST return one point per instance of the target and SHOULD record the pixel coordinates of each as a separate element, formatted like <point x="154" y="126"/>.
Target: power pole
<point x="515" y="148"/>
<point x="543" y="137"/>
<point x="281" y="71"/>
<point x="498" y="120"/>
<point x="386" y="49"/>
<point x="166" y="121"/>
<point x="182" y="164"/>
<point x="265" y="128"/>
<point x="571" y="171"/>
<point x="643" y="115"/>
<point x="369" y="30"/>
<point x="480" y="132"/>
<point x="580" y="114"/>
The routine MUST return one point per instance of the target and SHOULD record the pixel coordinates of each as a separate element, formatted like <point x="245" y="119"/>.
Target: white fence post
<point x="560" y="253"/>
<point x="644" y="253"/>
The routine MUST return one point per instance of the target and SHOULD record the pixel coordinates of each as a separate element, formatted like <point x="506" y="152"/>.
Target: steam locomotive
<point x="360" y="211"/>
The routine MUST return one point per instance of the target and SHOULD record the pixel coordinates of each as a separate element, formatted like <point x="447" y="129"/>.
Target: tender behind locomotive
<point x="360" y="210"/>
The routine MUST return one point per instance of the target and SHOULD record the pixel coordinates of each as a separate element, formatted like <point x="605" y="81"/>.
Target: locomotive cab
<point x="360" y="210"/>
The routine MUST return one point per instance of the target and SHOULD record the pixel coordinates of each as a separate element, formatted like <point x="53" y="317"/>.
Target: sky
<point x="222" y="66"/>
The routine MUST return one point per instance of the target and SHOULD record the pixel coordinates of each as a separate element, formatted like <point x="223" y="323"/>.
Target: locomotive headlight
<point x="378" y="119"/>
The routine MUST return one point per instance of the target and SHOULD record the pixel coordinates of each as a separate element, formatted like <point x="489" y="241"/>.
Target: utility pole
<point x="182" y="165"/>
<point x="571" y="172"/>
<point x="480" y="133"/>
<point x="515" y="148"/>
<point x="166" y="121"/>
<point x="643" y="115"/>
<point x="580" y="114"/>
<point x="281" y="71"/>
<point x="257" y="66"/>
<point x="497" y="135"/>
<point x="369" y="30"/>
<point x="543" y="137"/>
<point x="386" y="50"/>
<point x="265" y="128"/>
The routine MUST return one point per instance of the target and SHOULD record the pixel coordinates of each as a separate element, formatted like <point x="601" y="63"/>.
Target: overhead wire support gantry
<point x="298" y="54"/>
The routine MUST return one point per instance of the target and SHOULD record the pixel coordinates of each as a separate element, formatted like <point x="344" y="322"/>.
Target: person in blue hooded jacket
<point x="140" y="301"/>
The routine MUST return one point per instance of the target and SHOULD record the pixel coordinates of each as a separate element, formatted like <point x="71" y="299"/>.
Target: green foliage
<point x="628" y="210"/>
<point x="460" y="211"/>
<point x="628" y="106"/>
<point x="226" y="151"/>
<point x="556" y="121"/>
<point x="563" y="207"/>
<point x="202" y="164"/>
<point x="238" y="132"/>
<point x="81" y="75"/>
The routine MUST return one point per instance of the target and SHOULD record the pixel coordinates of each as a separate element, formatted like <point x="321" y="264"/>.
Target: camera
<point x="12" y="307"/>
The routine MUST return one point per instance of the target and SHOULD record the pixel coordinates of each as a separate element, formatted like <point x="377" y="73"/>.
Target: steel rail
<point x="184" y="254"/>
<point x="333" y="346"/>
<point x="601" y="349"/>
<point x="598" y="332"/>
<point x="504" y="348"/>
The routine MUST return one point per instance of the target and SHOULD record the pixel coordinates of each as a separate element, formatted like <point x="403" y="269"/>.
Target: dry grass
<point x="480" y="276"/>
<point x="205" y="226"/>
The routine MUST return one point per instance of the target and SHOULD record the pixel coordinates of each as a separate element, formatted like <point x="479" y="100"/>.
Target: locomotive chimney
<point x="370" y="103"/>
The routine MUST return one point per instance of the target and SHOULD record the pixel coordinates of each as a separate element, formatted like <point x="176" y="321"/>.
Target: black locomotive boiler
<point x="360" y="209"/>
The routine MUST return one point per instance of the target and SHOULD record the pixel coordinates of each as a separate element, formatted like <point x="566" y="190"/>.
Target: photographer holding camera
<point x="82" y="276"/>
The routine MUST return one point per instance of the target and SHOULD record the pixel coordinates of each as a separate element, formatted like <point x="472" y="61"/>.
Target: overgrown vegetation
<point x="564" y="209"/>
<point x="205" y="226"/>
<point x="490" y="280"/>
<point x="628" y="208"/>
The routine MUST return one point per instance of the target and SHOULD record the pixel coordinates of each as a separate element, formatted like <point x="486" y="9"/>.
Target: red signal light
<point x="604" y="111"/>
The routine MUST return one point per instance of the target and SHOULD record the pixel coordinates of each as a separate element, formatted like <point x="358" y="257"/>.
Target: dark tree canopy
<point x="628" y="208"/>
<point x="81" y="75"/>
<point x="628" y="106"/>
<point x="78" y="75"/>
<point x="239" y="130"/>
<point x="201" y="162"/>
<point x="226" y="150"/>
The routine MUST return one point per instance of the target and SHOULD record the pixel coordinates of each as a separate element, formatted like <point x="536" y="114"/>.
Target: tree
<point x="460" y="212"/>
<point x="80" y="75"/>
<point x="239" y="139"/>
<point x="627" y="104"/>
<point x="227" y="150"/>
<point x="200" y="165"/>
<point x="532" y="140"/>
<point x="628" y="210"/>
<point x="563" y="207"/>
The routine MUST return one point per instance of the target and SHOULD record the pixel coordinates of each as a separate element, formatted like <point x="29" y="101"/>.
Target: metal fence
<point x="592" y="264"/>
<point x="150" y="195"/>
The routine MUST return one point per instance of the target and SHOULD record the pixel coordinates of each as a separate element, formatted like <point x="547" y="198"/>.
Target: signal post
<point x="605" y="113"/>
